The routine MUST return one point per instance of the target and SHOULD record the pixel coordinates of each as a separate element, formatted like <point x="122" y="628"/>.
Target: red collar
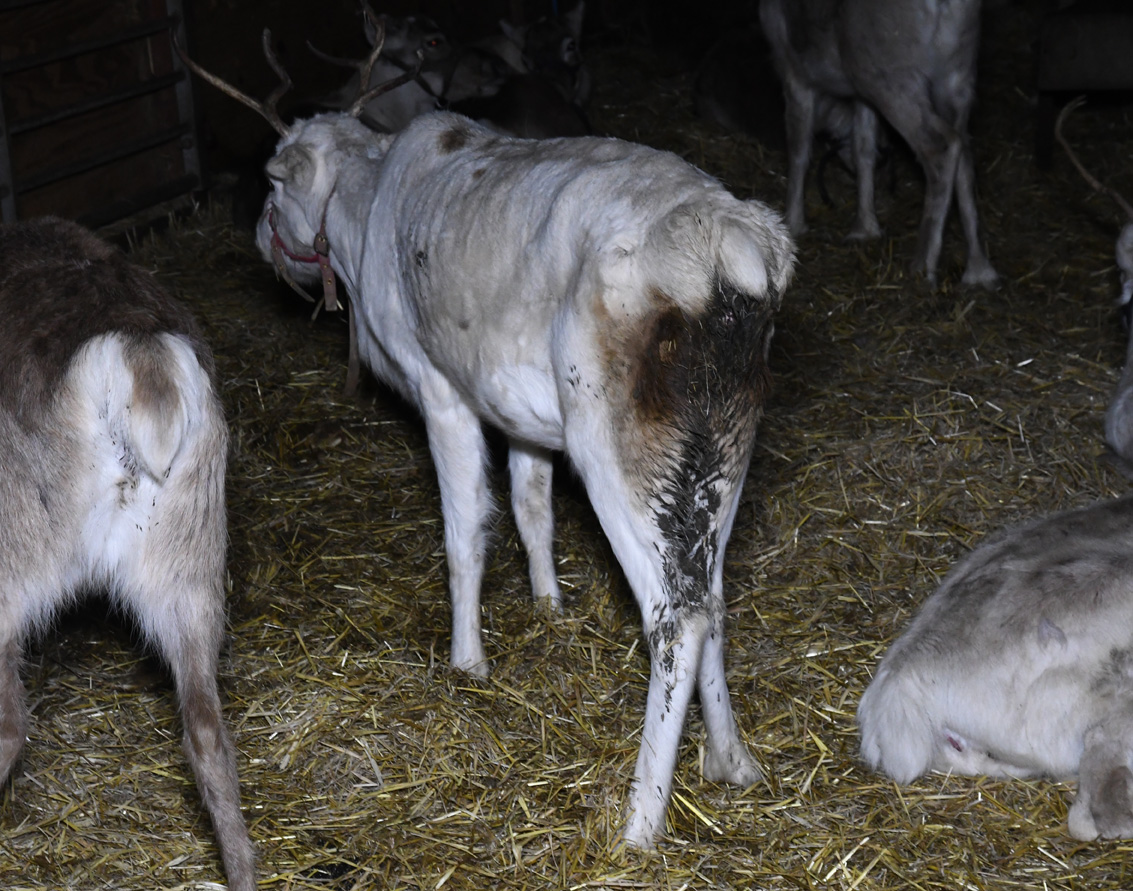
<point x="320" y="256"/>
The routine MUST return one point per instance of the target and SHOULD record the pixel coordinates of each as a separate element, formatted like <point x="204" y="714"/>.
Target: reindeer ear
<point x="294" y="164"/>
<point x="369" y="17"/>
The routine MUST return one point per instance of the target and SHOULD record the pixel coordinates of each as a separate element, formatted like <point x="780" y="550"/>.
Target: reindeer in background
<point x="914" y="63"/>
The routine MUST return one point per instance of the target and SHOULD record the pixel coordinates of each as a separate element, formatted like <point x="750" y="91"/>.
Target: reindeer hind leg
<point x="186" y="625"/>
<point x="13" y="707"/>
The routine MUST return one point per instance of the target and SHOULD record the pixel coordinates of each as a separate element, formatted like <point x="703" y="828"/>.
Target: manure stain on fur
<point x="693" y="391"/>
<point x="453" y="139"/>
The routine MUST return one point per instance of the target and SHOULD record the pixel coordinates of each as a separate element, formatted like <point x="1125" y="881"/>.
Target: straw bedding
<point x="907" y="422"/>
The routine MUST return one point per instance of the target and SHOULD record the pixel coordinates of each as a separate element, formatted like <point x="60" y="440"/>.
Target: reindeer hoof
<point x="864" y="232"/>
<point x="982" y="274"/>
<point x="735" y="766"/>
<point x="639" y="834"/>
<point x="476" y="665"/>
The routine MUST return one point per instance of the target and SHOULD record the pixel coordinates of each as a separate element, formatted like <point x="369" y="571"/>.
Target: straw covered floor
<point x="906" y="423"/>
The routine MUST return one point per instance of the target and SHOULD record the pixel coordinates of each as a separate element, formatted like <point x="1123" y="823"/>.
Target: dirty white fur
<point x="911" y="61"/>
<point x="1021" y="664"/>
<point x="110" y="465"/>
<point x="515" y="282"/>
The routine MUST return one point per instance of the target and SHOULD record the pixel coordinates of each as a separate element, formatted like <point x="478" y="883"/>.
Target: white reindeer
<point x="1119" y="413"/>
<point x="587" y="295"/>
<point x="914" y="63"/>
<point x="112" y="477"/>
<point x="1021" y="664"/>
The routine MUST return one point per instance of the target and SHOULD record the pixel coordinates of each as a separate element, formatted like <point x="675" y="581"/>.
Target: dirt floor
<point x="907" y="422"/>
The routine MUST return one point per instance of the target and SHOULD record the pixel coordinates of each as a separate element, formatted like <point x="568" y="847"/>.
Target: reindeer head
<point x="404" y="36"/>
<point x="550" y="49"/>
<point x="303" y="172"/>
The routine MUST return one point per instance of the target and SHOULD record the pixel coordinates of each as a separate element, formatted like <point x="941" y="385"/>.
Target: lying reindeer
<point x="1021" y="664"/>
<point x="1119" y="414"/>
<point x="112" y="477"/>
<point x="586" y="295"/>
<point x="911" y="61"/>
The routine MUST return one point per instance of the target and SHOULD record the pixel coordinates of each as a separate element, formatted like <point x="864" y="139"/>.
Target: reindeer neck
<point x="344" y="222"/>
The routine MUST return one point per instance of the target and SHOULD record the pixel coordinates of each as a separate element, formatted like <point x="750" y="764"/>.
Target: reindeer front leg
<point x="459" y="452"/>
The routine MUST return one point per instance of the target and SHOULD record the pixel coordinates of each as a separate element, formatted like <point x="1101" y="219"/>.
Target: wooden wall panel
<point x="95" y="113"/>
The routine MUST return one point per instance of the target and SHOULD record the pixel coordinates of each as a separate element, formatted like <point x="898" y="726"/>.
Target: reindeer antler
<point x="367" y="68"/>
<point x="1100" y="187"/>
<point x="267" y="108"/>
<point x="340" y="61"/>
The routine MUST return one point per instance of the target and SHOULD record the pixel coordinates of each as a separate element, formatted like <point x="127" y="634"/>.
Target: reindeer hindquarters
<point x="171" y="576"/>
<point x="660" y="416"/>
